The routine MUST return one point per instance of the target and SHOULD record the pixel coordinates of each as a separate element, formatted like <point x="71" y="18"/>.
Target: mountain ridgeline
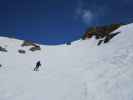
<point x="101" y="33"/>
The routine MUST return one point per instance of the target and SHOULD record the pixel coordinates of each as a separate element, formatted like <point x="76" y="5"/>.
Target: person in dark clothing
<point x="38" y="64"/>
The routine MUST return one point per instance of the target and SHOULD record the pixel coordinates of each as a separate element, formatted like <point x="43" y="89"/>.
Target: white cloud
<point x="90" y="14"/>
<point x="85" y="15"/>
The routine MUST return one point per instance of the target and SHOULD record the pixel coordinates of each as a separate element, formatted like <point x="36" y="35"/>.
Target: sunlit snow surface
<point x="80" y="71"/>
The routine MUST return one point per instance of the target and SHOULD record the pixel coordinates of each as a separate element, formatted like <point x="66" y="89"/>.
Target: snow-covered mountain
<point x="80" y="71"/>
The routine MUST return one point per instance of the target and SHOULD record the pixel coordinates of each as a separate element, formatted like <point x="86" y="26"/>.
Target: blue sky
<point x="58" y="21"/>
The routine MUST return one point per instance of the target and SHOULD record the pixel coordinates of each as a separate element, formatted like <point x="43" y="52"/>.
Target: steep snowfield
<point x="81" y="71"/>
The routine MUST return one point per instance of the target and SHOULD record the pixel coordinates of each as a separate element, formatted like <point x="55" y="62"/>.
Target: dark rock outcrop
<point x="110" y="36"/>
<point x="28" y="43"/>
<point x="3" y="49"/>
<point x="34" y="47"/>
<point x="21" y="51"/>
<point x="100" y="32"/>
<point x="103" y="33"/>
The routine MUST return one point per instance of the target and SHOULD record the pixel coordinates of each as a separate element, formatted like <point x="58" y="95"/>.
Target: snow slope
<point x="80" y="71"/>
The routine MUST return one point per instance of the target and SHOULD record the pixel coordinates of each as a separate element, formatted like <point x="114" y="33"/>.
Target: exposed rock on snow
<point x="34" y="47"/>
<point x="103" y="33"/>
<point x="100" y="32"/>
<point x="21" y="51"/>
<point x="3" y="49"/>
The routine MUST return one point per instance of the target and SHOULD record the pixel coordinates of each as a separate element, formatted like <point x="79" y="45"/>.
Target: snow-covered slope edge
<point x="81" y="71"/>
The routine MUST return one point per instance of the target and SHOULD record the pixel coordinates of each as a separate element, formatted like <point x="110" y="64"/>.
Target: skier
<point x="38" y="64"/>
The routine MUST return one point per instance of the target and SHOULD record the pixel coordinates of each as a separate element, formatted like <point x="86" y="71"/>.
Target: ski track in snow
<point x="80" y="71"/>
